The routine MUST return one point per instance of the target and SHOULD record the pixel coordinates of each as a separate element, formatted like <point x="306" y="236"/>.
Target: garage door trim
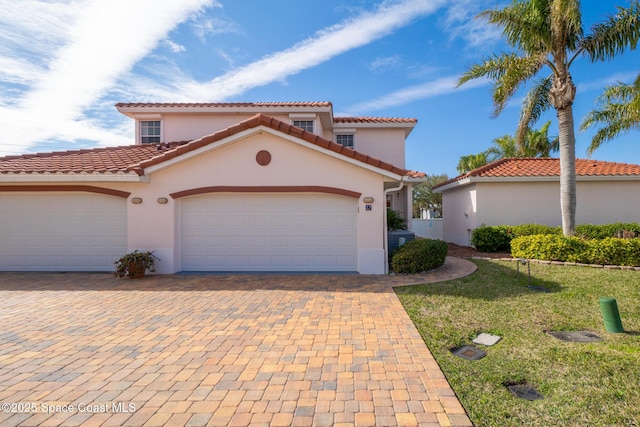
<point x="64" y="188"/>
<point x="267" y="189"/>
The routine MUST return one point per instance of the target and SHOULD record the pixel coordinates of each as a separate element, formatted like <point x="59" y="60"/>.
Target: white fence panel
<point x="428" y="228"/>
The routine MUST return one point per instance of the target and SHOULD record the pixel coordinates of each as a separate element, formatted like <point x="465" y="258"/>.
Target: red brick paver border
<point x="218" y="350"/>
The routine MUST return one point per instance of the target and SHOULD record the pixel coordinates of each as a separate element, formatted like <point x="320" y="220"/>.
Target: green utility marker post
<point x="610" y="315"/>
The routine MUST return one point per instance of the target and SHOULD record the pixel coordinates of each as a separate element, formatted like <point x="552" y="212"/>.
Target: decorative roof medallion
<point x="263" y="157"/>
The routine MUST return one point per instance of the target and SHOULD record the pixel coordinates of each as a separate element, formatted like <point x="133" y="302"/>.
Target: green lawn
<point x="583" y="384"/>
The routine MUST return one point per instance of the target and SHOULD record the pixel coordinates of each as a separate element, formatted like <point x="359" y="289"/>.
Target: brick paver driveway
<point x="200" y="350"/>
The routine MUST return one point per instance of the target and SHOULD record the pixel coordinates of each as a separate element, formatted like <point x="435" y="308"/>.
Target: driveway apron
<point x="216" y="350"/>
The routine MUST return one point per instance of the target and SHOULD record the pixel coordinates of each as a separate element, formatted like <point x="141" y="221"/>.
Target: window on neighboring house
<point x="150" y="131"/>
<point x="346" y="139"/>
<point x="304" y="124"/>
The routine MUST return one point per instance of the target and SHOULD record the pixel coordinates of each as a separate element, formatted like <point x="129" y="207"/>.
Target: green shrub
<point x="613" y="251"/>
<point x="419" y="255"/>
<point x="395" y="221"/>
<point x="549" y="247"/>
<point x="533" y="229"/>
<point x="591" y="231"/>
<point x="491" y="238"/>
<point x="610" y="251"/>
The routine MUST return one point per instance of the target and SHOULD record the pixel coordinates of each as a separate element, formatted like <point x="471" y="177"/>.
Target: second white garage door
<point x="61" y="231"/>
<point x="268" y="232"/>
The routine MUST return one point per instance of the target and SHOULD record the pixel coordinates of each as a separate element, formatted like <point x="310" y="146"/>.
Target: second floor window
<point x="346" y="139"/>
<point x="150" y="131"/>
<point x="304" y="124"/>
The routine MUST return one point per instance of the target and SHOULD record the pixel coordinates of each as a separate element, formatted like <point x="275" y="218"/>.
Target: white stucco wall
<point x="459" y="210"/>
<point x="496" y="203"/>
<point x="384" y="144"/>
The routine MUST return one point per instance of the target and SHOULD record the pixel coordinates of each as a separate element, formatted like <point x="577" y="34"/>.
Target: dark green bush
<point x="395" y="221"/>
<point x="419" y="255"/>
<point x="491" y="238"/>
<point x="496" y="238"/>
<point x="533" y="229"/>
<point x="591" y="231"/>
<point x="609" y="251"/>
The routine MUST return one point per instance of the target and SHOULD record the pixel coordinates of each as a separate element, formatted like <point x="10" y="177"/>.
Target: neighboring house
<point x="527" y="191"/>
<point x="213" y="187"/>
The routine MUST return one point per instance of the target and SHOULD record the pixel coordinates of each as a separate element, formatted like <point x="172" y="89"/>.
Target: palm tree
<point x="503" y="146"/>
<point x="471" y="162"/>
<point x="620" y="113"/>
<point x="536" y="144"/>
<point x="549" y="34"/>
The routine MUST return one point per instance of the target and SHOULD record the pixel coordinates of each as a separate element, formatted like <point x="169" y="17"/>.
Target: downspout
<point x="386" y="231"/>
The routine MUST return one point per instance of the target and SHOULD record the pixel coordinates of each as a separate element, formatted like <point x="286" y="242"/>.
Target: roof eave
<point x="72" y="177"/>
<point x="133" y="111"/>
<point x="514" y="179"/>
<point x="407" y="126"/>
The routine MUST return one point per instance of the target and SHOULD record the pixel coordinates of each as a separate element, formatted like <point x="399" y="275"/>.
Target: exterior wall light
<point x="368" y="200"/>
<point x="136" y="200"/>
<point x="162" y="200"/>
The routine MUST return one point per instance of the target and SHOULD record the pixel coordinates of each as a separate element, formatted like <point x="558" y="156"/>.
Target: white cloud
<point x="213" y="26"/>
<point x="86" y="49"/>
<point x="382" y="64"/>
<point x="441" y="86"/>
<point x="461" y="22"/>
<point x="174" y="47"/>
<point x="326" y="44"/>
<point x="84" y="60"/>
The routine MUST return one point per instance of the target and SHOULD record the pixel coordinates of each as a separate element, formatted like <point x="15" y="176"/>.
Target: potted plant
<point x="135" y="264"/>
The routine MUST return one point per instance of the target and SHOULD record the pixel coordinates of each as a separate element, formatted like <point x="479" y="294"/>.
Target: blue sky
<point x="64" y="64"/>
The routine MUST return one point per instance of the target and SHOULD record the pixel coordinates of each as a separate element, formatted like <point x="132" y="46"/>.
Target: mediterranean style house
<point x="214" y="187"/>
<point x="527" y="191"/>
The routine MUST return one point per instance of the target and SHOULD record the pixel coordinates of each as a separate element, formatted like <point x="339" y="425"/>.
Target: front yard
<point x="595" y="384"/>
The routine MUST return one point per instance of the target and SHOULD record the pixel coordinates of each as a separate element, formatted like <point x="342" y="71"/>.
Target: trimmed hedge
<point x="591" y="231"/>
<point x="419" y="255"/>
<point x="607" y="251"/>
<point x="497" y="238"/>
<point x="491" y="238"/>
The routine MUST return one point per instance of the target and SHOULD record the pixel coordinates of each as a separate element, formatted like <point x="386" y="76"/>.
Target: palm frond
<point x="565" y="20"/>
<point x="534" y="105"/>
<point x="619" y="113"/>
<point x="508" y="71"/>
<point x="524" y="24"/>
<point x="615" y="35"/>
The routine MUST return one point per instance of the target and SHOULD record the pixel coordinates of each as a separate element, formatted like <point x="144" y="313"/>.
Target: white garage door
<point x="61" y="231"/>
<point x="268" y="232"/>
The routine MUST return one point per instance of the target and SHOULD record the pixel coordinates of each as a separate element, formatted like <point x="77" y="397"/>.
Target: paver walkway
<point x="217" y="350"/>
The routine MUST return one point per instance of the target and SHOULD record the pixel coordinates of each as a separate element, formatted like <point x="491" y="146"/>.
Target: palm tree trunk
<point x="567" y="170"/>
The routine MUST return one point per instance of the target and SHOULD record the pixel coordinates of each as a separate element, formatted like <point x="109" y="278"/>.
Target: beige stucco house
<point x="213" y="187"/>
<point x="527" y="191"/>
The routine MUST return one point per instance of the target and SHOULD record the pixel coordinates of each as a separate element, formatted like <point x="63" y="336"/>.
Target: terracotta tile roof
<point x="220" y="104"/>
<point x="416" y="174"/>
<point x="546" y="167"/>
<point x="136" y="158"/>
<point x="374" y="120"/>
<point x="94" y="160"/>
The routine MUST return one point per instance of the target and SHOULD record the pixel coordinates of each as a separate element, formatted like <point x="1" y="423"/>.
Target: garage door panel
<point x="61" y="231"/>
<point x="269" y="232"/>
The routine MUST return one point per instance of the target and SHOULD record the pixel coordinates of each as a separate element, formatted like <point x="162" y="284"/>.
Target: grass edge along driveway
<point x="594" y="384"/>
